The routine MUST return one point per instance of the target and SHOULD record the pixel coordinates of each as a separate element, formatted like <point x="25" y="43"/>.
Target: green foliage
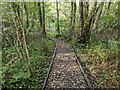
<point x="107" y="19"/>
<point x="104" y="50"/>
<point x="15" y="75"/>
<point x="21" y="75"/>
<point x="113" y="45"/>
<point x="102" y="58"/>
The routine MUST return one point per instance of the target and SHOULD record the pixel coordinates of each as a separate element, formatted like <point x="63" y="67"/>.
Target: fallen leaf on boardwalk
<point x="65" y="70"/>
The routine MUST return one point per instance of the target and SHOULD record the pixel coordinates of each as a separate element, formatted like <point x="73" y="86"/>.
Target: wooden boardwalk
<point x="65" y="71"/>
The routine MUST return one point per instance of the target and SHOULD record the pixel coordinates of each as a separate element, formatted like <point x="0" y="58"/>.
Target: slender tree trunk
<point x="40" y="14"/>
<point x="86" y="9"/>
<point x="43" y="20"/>
<point x="26" y="12"/>
<point x="95" y="14"/>
<point x="18" y="10"/>
<point x="26" y="52"/>
<point x="33" y="16"/>
<point x="109" y="4"/>
<point x="27" y="22"/>
<point x="58" y="29"/>
<point x="74" y="16"/>
<point x="81" y="25"/>
<point x="98" y="17"/>
<point x="71" y="20"/>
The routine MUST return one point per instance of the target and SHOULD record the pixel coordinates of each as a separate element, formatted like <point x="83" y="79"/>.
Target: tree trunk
<point x="26" y="12"/>
<point x="71" y="20"/>
<point x="98" y="17"/>
<point x="109" y="4"/>
<point x="26" y="52"/>
<point x="58" y="29"/>
<point x="33" y="17"/>
<point x="95" y="14"/>
<point x="43" y="20"/>
<point x="40" y="14"/>
<point x="74" y="16"/>
<point x="81" y="26"/>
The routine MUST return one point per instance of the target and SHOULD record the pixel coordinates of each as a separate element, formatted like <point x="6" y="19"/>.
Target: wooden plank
<point x="49" y="70"/>
<point x="84" y="75"/>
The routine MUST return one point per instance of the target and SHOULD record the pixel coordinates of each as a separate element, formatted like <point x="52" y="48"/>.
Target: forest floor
<point x="65" y="72"/>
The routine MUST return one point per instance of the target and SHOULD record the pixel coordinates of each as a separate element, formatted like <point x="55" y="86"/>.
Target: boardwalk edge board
<point x="84" y="75"/>
<point x="79" y="63"/>
<point x="45" y="82"/>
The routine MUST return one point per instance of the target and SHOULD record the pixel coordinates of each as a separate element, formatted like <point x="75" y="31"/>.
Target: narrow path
<point x="65" y="72"/>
